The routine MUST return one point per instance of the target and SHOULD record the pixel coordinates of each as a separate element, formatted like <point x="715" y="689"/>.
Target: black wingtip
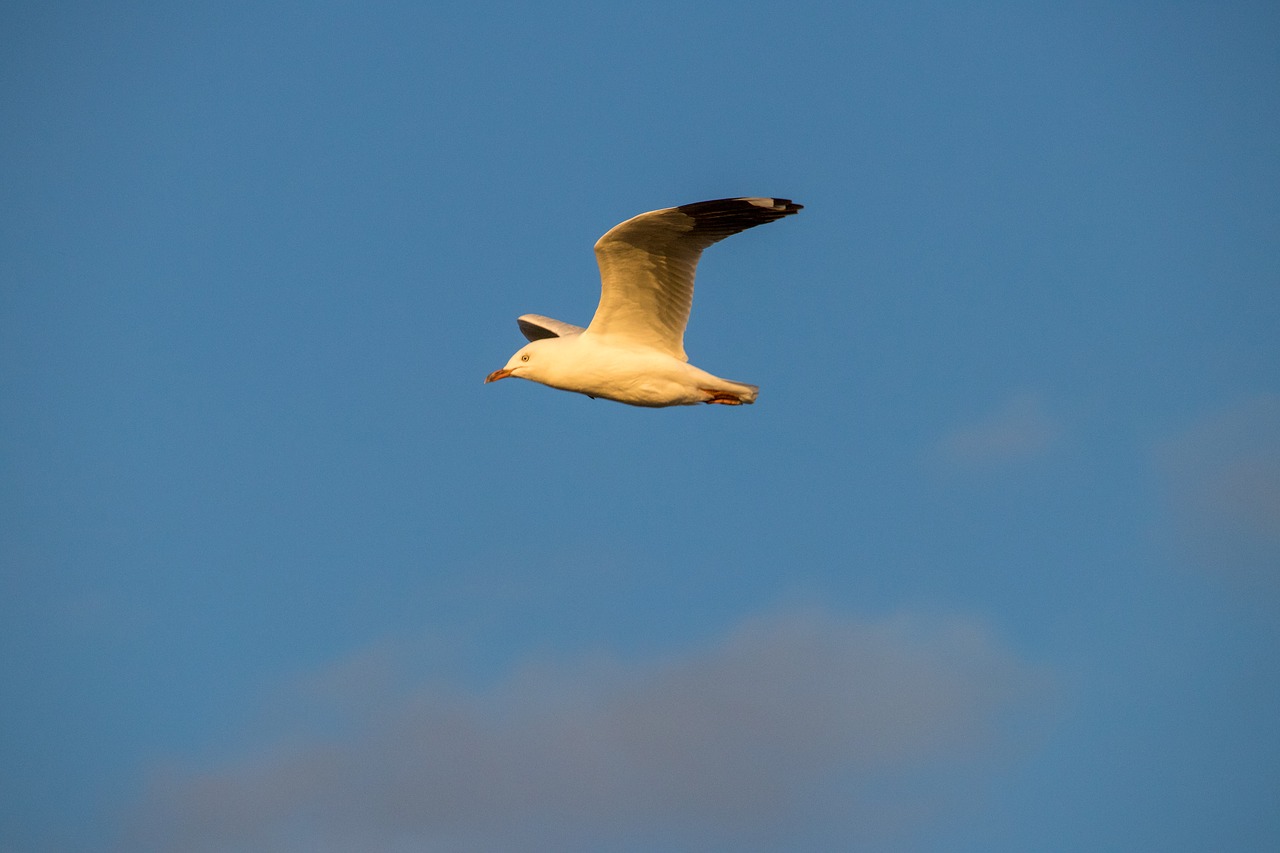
<point x="724" y="216"/>
<point x="788" y="206"/>
<point x="781" y="206"/>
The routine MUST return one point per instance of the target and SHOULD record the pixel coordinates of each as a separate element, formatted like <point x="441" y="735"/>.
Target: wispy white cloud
<point x="1222" y="477"/>
<point x="790" y="722"/>
<point x="1019" y="429"/>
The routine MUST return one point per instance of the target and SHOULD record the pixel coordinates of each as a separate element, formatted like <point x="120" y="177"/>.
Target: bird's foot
<point x="724" y="398"/>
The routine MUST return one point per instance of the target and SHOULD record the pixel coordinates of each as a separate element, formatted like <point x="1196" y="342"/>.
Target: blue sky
<point x="993" y="564"/>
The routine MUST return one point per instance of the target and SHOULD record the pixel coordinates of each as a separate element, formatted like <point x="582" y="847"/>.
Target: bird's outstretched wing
<point x="535" y="327"/>
<point x="647" y="266"/>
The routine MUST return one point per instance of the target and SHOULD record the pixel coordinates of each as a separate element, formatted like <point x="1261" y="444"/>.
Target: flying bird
<point x="633" y="349"/>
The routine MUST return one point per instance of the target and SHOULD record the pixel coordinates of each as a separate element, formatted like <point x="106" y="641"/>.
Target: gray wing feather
<point x="535" y="327"/>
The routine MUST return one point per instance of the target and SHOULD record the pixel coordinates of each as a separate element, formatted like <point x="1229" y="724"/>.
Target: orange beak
<point x="496" y="375"/>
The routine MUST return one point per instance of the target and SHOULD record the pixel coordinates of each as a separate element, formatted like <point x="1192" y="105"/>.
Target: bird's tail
<point x="730" y="393"/>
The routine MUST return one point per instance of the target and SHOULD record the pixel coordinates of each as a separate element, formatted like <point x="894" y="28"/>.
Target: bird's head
<point x="529" y="362"/>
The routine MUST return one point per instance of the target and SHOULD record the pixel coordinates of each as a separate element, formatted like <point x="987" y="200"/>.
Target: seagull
<point x="633" y="349"/>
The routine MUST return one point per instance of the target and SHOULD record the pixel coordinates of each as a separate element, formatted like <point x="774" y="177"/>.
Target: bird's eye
<point x="524" y="357"/>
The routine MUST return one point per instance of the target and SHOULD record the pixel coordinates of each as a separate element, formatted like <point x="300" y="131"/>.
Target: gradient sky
<point x="992" y="565"/>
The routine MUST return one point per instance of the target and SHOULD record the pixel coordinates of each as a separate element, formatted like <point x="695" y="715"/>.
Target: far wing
<point x="647" y="265"/>
<point x="535" y="327"/>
